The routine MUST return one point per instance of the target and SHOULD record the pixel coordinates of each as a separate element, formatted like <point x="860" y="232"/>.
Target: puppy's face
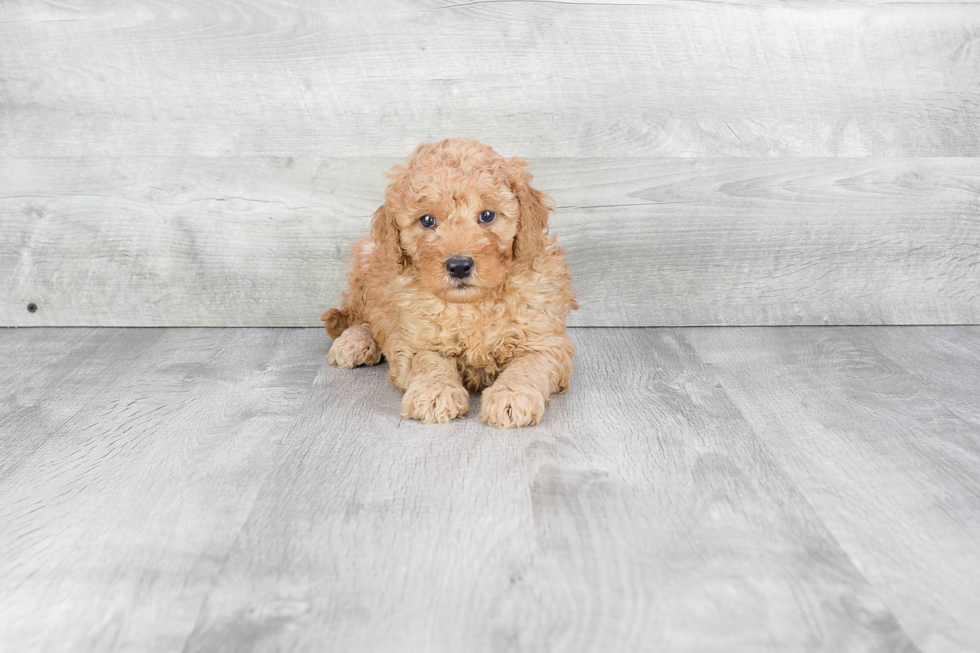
<point x="455" y="217"/>
<point x="458" y="230"/>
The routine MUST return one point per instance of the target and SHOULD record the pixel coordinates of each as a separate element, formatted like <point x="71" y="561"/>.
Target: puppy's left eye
<point x="486" y="217"/>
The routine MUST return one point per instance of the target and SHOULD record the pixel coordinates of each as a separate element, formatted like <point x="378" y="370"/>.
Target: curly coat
<point x="501" y="328"/>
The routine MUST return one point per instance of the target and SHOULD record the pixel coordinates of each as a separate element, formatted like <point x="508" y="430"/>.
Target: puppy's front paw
<point x="509" y="408"/>
<point x="355" y="346"/>
<point x="435" y="402"/>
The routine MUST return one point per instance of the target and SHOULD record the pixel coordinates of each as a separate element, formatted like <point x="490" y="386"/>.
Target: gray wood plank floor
<point x="725" y="489"/>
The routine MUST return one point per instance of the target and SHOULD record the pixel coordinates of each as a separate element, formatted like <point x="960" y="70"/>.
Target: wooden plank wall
<point x="196" y="162"/>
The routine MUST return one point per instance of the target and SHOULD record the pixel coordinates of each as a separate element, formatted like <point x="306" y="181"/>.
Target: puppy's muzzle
<point x="459" y="267"/>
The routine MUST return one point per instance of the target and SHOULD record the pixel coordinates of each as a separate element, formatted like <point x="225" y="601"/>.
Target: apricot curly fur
<point x="502" y="328"/>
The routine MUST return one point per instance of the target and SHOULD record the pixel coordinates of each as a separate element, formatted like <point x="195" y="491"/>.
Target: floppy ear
<point x="532" y="228"/>
<point x="384" y="231"/>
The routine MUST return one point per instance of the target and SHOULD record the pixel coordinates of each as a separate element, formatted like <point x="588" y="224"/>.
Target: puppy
<point x="460" y="286"/>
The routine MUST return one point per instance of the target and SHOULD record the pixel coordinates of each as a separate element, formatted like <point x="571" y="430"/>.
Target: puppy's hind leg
<point x="335" y="321"/>
<point x="355" y="346"/>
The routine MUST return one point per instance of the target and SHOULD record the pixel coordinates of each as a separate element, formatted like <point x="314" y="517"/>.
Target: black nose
<point x="459" y="267"/>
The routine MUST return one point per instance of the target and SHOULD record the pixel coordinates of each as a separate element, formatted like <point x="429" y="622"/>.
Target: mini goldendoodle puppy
<point x="460" y="286"/>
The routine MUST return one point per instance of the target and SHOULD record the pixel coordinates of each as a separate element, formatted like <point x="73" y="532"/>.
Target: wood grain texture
<point x="145" y="458"/>
<point x="947" y="362"/>
<point x="885" y="463"/>
<point x="743" y="78"/>
<point x="78" y="358"/>
<point x="647" y="520"/>
<point x="147" y="241"/>
<point x="221" y="498"/>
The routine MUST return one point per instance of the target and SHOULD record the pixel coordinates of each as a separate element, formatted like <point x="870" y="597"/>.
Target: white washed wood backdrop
<point x="206" y="162"/>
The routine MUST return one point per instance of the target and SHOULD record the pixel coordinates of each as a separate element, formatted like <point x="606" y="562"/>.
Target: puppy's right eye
<point x="427" y="221"/>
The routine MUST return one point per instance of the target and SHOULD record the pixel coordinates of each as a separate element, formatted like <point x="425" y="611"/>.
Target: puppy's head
<point x="460" y="218"/>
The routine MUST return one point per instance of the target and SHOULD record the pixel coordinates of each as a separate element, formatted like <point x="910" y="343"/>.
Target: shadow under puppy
<point x="460" y="286"/>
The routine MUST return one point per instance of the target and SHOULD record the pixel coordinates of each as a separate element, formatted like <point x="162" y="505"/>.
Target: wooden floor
<point x="754" y="489"/>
